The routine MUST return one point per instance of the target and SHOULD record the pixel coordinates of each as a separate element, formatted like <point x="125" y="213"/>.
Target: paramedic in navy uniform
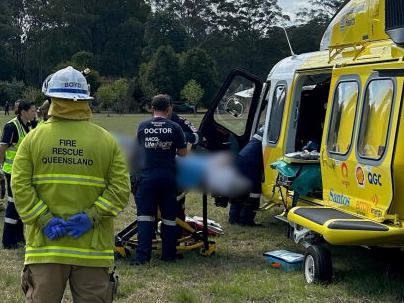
<point x="250" y="164"/>
<point x="190" y="131"/>
<point x="160" y="140"/>
<point x="192" y="137"/>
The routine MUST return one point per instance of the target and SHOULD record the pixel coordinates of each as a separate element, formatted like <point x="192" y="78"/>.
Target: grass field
<point x="238" y="272"/>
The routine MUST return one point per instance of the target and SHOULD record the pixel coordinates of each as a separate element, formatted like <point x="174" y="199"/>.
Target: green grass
<point x="238" y="272"/>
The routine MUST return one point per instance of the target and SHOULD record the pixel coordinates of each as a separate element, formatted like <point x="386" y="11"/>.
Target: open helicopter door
<point x="229" y="121"/>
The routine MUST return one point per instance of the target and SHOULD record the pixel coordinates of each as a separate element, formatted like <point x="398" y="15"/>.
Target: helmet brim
<point x="70" y="96"/>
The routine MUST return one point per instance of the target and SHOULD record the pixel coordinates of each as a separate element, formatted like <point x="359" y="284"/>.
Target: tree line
<point x="137" y="48"/>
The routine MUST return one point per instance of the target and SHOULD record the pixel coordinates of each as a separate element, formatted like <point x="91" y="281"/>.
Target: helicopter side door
<point x="228" y="124"/>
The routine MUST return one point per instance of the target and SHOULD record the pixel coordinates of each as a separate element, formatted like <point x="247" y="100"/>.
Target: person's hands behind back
<point x="78" y="225"/>
<point x="55" y="229"/>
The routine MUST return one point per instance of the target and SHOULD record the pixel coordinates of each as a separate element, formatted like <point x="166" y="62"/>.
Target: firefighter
<point x="249" y="161"/>
<point x="14" y="133"/>
<point x="70" y="181"/>
<point x="160" y="140"/>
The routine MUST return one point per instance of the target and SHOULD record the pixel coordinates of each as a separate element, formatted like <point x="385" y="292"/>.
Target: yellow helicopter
<point x="346" y="98"/>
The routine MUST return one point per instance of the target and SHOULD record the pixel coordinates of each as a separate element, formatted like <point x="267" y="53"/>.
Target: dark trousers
<point x="157" y="188"/>
<point x="180" y="213"/>
<point x="2" y="187"/>
<point x="13" y="231"/>
<point x="244" y="209"/>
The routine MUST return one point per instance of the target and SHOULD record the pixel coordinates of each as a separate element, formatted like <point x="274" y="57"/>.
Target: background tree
<point x="11" y="91"/>
<point x="113" y="96"/>
<point x="162" y="29"/>
<point x="156" y="45"/>
<point x="82" y="61"/>
<point x="105" y="96"/>
<point x="321" y="11"/>
<point x="196" y="64"/>
<point x="111" y="30"/>
<point x="139" y="95"/>
<point x="120" y="88"/>
<point x="325" y="9"/>
<point x="192" y="92"/>
<point x="162" y="72"/>
<point x="242" y="36"/>
<point x="194" y="16"/>
<point x="8" y="32"/>
<point x="313" y="22"/>
<point x="33" y="94"/>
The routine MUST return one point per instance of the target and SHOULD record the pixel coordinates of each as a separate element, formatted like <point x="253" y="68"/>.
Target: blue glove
<point x="78" y="225"/>
<point x="55" y="229"/>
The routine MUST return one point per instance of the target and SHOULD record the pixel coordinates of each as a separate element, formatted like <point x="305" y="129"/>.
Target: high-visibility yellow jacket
<point x="12" y="150"/>
<point x="63" y="168"/>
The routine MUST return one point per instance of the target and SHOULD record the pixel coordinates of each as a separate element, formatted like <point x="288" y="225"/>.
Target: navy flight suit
<point x="250" y="164"/>
<point x="192" y="137"/>
<point x="159" y="138"/>
<point x="190" y="131"/>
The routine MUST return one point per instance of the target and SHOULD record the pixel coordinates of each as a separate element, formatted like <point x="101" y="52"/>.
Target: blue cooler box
<point x="285" y="260"/>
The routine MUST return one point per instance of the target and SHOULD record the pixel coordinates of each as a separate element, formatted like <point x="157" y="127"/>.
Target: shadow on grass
<point x="376" y="274"/>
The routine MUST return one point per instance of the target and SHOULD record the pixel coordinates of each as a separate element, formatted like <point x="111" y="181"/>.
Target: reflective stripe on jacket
<point x="63" y="168"/>
<point x="12" y="150"/>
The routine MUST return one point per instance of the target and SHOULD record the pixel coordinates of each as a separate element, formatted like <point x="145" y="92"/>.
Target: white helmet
<point x="67" y="83"/>
<point x="45" y="84"/>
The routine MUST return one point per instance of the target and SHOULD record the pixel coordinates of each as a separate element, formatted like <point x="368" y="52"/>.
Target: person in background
<point x="2" y="190"/>
<point x="7" y="109"/>
<point x="16" y="106"/>
<point x="14" y="133"/>
<point x="250" y="164"/>
<point x="42" y="112"/>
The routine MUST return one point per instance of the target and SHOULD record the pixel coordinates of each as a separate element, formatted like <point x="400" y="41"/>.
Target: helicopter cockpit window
<point x="232" y="111"/>
<point x="343" y="117"/>
<point x="376" y="119"/>
<point x="278" y="104"/>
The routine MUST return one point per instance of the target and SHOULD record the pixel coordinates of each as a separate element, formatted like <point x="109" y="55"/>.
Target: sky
<point x="290" y="7"/>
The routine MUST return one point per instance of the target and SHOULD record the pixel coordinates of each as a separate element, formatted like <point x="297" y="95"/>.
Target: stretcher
<point x="191" y="239"/>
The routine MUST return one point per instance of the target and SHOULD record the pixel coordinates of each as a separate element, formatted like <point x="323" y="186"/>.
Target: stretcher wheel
<point x="209" y="252"/>
<point x="317" y="265"/>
